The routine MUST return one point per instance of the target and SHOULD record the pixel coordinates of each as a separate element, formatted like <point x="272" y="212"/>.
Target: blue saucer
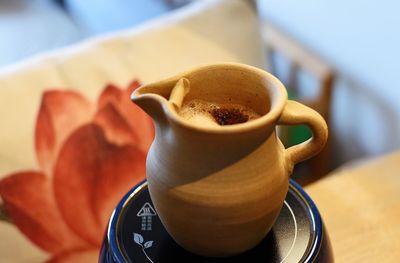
<point x="136" y="234"/>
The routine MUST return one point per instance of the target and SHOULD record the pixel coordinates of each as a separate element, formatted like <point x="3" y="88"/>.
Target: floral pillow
<point x="68" y="155"/>
<point x="90" y="154"/>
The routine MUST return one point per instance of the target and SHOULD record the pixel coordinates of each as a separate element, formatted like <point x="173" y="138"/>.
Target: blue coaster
<point x="136" y="234"/>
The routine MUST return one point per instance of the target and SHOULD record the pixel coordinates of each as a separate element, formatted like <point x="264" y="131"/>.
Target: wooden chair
<point x="303" y="60"/>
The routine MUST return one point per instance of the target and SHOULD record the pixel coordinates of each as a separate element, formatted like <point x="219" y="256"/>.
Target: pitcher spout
<point x="157" y="98"/>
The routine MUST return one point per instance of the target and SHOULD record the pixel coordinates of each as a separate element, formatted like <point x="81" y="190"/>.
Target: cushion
<point x="72" y="143"/>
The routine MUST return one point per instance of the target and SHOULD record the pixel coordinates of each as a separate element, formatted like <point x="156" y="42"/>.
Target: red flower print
<point x="89" y="155"/>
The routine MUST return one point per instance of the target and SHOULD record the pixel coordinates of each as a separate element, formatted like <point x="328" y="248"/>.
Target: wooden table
<point x="360" y="205"/>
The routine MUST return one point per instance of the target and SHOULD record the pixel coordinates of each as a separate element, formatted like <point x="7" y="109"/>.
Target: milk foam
<point x="198" y="112"/>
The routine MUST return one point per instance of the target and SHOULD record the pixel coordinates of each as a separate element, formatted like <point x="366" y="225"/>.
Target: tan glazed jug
<point x="218" y="189"/>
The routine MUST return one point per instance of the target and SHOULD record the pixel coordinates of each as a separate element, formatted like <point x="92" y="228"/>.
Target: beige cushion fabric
<point x="204" y="32"/>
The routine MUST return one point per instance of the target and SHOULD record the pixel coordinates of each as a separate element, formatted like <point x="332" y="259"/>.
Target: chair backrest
<point x="303" y="60"/>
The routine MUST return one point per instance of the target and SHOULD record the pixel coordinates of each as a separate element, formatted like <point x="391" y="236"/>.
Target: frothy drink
<point x="214" y="114"/>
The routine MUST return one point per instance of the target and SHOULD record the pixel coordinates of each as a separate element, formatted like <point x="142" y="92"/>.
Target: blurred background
<point x="28" y="27"/>
<point x="339" y="57"/>
<point x="352" y="45"/>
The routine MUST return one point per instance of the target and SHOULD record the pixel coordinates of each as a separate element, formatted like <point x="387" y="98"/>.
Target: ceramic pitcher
<point x="218" y="189"/>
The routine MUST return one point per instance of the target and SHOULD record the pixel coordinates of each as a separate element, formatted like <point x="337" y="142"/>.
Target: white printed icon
<point x="138" y="238"/>
<point x="146" y="213"/>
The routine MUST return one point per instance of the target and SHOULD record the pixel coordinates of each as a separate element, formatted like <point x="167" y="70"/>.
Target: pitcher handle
<point x="296" y="113"/>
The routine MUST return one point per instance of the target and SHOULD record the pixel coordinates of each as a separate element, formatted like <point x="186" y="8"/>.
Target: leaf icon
<point x="138" y="238"/>
<point x="148" y="244"/>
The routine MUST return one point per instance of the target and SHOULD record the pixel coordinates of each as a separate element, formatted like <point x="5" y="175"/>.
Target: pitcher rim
<point x="278" y="101"/>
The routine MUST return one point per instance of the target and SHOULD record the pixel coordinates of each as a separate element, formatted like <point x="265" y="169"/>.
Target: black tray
<point x="135" y="234"/>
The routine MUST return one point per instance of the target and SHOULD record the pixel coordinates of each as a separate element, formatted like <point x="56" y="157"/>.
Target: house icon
<point x="146" y="210"/>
